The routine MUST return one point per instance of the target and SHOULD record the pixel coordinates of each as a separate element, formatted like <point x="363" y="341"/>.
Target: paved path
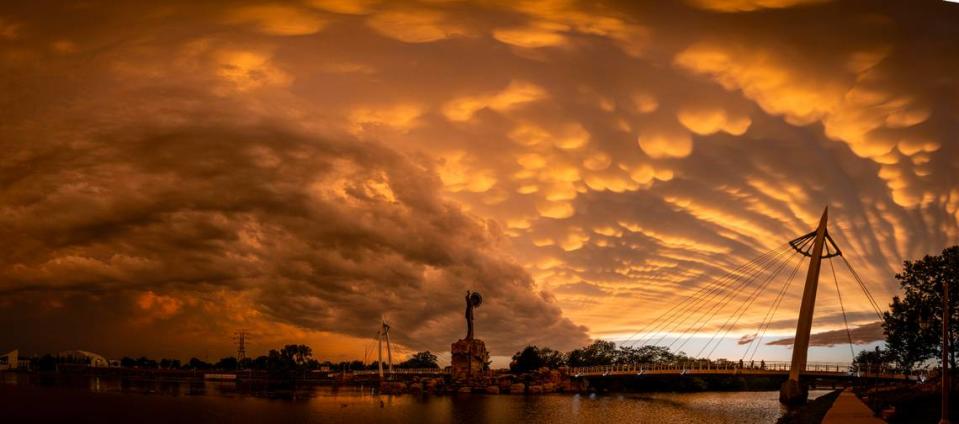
<point x="848" y="409"/>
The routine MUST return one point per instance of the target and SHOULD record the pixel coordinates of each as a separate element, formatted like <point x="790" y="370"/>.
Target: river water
<point x="110" y="401"/>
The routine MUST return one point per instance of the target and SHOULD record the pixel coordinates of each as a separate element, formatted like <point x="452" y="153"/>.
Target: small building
<point x="10" y="360"/>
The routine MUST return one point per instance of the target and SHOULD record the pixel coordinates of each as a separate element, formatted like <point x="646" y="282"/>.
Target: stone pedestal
<point x="469" y="360"/>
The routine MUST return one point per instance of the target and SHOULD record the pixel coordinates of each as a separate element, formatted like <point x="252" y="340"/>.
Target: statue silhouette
<point x="473" y="300"/>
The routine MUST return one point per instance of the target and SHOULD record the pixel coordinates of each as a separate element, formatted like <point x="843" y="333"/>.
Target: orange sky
<point x="174" y="172"/>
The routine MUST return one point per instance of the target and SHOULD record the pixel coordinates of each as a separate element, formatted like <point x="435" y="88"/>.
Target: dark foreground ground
<point x="813" y="412"/>
<point x="917" y="404"/>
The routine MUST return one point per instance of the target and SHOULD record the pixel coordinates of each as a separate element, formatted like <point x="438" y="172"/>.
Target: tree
<point x="169" y="363"/>
<point x="420" y="360"/>
<point x="922" y="282"/>
<point x="552" y="359"/>
<point x="601" y="352"/>
<point x="872" y="360"/>
<point x="261" y="362"/>
<point x="527" y="360"/>
<point x="128" y="362"/>
<point x="198" y="364"/>
<point x="246" y="364"/>
<point x="646" y="354"/>
<point x="297" y="353"/>
<point x="144" y="362"/>
<point x="226" y="363"/>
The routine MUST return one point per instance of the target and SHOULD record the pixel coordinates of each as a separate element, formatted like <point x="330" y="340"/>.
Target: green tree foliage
<point x="299" y="354"/>
<point x="873" y="360"/>
<point x="646" y="354"/>
<point x="908" y="342"/>
<point x="526" y="360"/>
<point x="552" y="358"/>
<point x="601" y="352"/>
<point x="420" y="360"/>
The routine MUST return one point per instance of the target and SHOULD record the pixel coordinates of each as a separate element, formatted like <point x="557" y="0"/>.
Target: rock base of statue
<point x="469" y="360"/>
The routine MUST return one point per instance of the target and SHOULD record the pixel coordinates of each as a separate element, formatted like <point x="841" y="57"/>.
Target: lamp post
<point x="946" y="387"/>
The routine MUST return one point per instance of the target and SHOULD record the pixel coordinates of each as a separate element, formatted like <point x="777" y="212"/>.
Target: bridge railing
<point x="403" y="371"/>
<point x="686" y="366"/>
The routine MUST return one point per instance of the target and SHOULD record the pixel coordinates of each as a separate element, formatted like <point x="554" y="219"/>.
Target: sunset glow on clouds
<point x="175" y="172"/>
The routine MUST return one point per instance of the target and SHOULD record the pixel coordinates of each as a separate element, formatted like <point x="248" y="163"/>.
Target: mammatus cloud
<point x="302" y="168"/>
<point x="750" y="5"/>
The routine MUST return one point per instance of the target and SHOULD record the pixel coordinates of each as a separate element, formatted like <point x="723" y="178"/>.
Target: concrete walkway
<point x="848" y="409"/>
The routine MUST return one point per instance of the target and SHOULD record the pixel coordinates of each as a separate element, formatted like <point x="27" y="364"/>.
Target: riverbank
<point x="811" y="413"/>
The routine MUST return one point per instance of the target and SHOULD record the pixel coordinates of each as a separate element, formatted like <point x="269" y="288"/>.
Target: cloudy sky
<point x="173" y="172"/>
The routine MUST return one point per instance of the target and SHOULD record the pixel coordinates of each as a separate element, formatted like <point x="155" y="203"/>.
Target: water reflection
<point x="114" y="399"/>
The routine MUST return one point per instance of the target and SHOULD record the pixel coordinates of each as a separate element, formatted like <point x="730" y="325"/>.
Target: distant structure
<point x="380" y="335"/>
<point x="10" y="360"/>
<point x="240" y="337"/>
<point x="82" y="357"/>
<point x="469" y="356"/>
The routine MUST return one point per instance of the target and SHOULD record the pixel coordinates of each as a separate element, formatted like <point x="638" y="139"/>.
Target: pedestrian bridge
<point x="823" y="369"/>
<point x="405" y="371"/>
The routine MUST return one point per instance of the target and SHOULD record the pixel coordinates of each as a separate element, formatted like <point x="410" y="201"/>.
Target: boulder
<point x="517" y="388"/>
<point x="547" y="388"/>
<point x="535" y="389"/>
<point x="492" y="390"/>
<point x="465" y="390"/>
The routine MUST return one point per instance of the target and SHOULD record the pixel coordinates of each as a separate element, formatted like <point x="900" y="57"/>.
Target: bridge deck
<point x="771" y="369"/>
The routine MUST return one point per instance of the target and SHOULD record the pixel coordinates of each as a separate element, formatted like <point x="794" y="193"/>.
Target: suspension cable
<point x="845" y="321"/>
<point x="767" y="321"/>
<point x="872" y="300"/>
<point x="727" y="297"/>
<point x="742" y="310"/>
<point x="683" y="312"/>
<point x="702" y="289"/>
<point x="742" y="281"/>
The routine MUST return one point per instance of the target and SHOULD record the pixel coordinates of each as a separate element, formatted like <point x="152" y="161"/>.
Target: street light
<point x="946" y="311"/>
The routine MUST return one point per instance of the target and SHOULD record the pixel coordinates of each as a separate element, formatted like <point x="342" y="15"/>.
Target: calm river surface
<point x="103" y="401"/>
